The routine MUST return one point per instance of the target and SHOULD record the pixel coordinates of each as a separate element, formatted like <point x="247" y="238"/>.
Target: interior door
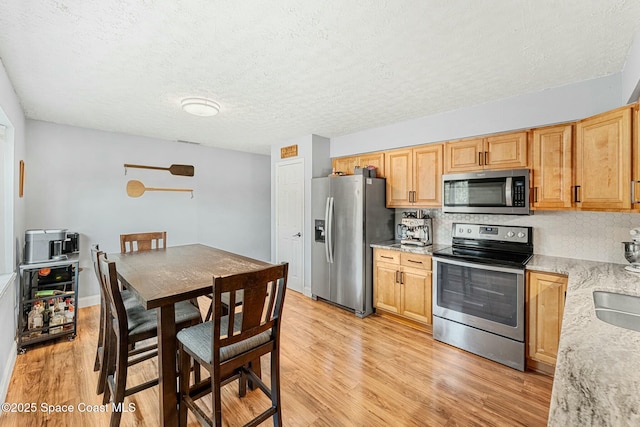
<point x="290" y="220"/>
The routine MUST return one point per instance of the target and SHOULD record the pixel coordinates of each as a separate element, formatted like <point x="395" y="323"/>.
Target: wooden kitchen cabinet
<point x="348" y="164"/>
<point x="402" y="286"/>
<point x="552" y="171"/>
<point x="504" y="151"/>
<point x="635" y="140"/>
<point x="603" y="161"/>
<point x="414" y="177"/>
<point x="545" y="307"/>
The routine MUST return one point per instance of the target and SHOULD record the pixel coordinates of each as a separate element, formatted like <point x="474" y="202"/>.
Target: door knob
<point x="298" y="234"/>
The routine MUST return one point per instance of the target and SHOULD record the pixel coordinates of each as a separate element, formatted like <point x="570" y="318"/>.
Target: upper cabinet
<point x="348" y="164"/>
<point x="551" y="167"/>
<point x="603" y="161"/>
<point x="414" y="177"/>
<point x="505" y="151"/>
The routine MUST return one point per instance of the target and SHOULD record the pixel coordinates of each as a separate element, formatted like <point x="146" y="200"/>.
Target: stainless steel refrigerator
<point x="348" y="215"/>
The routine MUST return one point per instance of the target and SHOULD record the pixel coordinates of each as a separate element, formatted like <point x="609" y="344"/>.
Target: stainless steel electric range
<point x="478" y="291"/>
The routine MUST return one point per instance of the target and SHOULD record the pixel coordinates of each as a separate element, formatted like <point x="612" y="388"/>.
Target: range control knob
<point x="461" y="230"/>
<point x="468" y="230"/>
<point x="510" y="234"/>
<point x="521" y="234"/>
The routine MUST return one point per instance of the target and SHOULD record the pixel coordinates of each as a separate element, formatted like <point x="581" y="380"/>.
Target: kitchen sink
<point x="618" y="309"/>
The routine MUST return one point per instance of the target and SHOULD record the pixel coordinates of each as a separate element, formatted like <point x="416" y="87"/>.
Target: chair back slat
<point x="263" y="295"/>
<point x="136" y="242"/>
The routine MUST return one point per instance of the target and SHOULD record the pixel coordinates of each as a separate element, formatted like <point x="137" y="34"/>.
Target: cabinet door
<point x="427" y="175"/>
<point x="386" y="290"/>
<point x="345" y="164"/>
<point x="603" y="161"/>
<point x="463" y="156"/>
<point x="552" y="172"/>
<point x="416" y="295"/>
<point x="506" y="151"/>
<point x="546" y="293"/>
<point x="373" y="159"/>
<point x="398" y="169"/>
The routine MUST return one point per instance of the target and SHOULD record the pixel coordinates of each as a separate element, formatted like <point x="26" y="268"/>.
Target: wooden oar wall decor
<point x="137" y="188"/>
<point x="182" y="170"/>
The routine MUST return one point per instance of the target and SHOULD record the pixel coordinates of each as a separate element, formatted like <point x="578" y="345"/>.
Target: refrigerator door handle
<point x="327" y="229"/>
<point x="329" y="238"/>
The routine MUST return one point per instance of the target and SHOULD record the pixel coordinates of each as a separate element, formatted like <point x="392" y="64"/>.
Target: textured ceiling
<point x="284" y="68"/>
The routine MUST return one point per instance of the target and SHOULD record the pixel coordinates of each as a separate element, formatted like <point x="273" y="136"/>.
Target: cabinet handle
<point x="479" y="158"/>
<point x="409" y="193"/>
<point x="397" y="280"/>
<point x="386" y="257"/>
<point x="401" y="277"/>
<point x="417" y="262"/>
<point x="633" y="192"/>
<point x="535" y="194"/>
<point x="414" y="197"/>
<point x="486" y="161"/>
<point x="575" y="193"/>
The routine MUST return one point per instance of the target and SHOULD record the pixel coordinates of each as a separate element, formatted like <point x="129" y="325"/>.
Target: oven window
<point x="490" y="295"/>
<point x="477" y="192"/>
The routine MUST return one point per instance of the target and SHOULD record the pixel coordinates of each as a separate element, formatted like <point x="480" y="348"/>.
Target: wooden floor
<point x="337" y="370"/>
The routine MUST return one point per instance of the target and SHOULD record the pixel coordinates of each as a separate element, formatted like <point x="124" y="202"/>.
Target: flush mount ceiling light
<point x="202" y="107"/>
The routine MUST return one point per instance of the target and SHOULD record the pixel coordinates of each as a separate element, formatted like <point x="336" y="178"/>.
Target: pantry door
<point x="290" y="220"/>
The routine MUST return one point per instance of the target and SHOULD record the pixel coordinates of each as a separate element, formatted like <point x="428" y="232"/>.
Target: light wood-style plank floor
<point x="337" y="370"/>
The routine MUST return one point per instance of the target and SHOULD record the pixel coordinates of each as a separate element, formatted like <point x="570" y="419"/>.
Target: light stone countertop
<point x="396" y="246"/>
<point x="597" y="377"/>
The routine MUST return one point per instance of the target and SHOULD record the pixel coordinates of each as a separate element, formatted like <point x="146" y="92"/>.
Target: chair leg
<point x="216" y="403"/>
<point x="120" y="383"/>
<point x="183" y="383"/>
<point x="100" y="348"/>
<point x="209" y="312"/>
<point x="242" y="383"/>
<point x="275" y="387"/>
<point x="108" y="366"/>
<point x="104" y="365"/>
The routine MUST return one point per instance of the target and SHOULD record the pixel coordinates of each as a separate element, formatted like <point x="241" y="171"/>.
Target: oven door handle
<point x="508" y="191"/>
<point x="446" y="260"/>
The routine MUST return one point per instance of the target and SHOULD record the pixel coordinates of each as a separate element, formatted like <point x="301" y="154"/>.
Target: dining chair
<point x="143" y="241"/>
<point x="128" y="326"/>
<point x="228" y="344"/>
<point x="129" y="301"/>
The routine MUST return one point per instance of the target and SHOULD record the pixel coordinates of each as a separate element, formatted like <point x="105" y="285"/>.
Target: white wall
<point x="631" y="72"/>
<point x="314" y="150"/>
<point x="566" y="103"/>
<point x="75" y="179"/>
<point x="11" y="114"/>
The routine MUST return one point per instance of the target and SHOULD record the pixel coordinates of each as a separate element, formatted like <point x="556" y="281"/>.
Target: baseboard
<point x="7" y="371"/>
<point x="88" y="301"/>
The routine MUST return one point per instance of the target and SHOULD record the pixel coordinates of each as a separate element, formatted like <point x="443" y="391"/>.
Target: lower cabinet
<point x="545" y="307"/>
<point x="402" y="286"/>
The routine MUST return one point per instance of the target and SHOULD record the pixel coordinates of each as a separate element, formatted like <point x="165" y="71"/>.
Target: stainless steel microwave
<point x="487" y="192"/>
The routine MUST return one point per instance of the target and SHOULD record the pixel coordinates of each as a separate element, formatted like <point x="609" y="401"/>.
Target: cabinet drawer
<point x="415" y="260"/>
<point x="386" y="255"/>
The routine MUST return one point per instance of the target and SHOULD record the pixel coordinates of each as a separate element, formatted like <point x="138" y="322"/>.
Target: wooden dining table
<point x="161" y="277"/>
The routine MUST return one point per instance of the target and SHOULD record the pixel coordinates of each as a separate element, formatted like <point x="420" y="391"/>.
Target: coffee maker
<point x="49" y="245"/>
<point x="415" y="229"/>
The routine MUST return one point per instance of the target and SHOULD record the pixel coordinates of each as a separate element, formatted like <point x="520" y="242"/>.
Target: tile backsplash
<point x="595" y="236"/>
